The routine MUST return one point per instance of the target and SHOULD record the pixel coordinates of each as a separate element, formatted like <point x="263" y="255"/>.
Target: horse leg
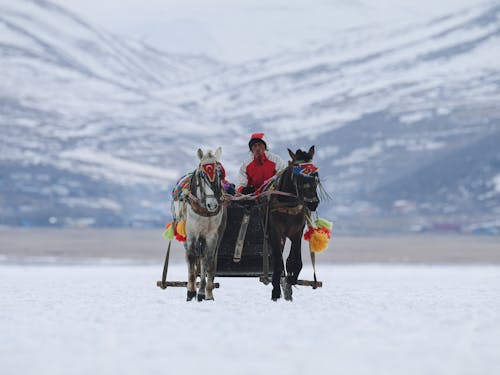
<point x="211" y="266"/>
<point x="277" y="245"/>
<point x="293" y="265"/>
<point x="203" y="279"/>
<point x="191" y="261"/>
<point x="294" y="261"/>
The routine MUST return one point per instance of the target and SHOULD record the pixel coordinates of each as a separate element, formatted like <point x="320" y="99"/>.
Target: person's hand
<point x="248" y="190"/>
<point x="231" y="189"/>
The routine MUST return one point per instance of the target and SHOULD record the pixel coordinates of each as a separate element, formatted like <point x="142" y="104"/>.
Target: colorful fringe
<point x="182" y="187"/>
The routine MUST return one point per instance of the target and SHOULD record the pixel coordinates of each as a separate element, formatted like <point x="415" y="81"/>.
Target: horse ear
<point x="311" y="151"/>
<point x="200" y="154"/>
<point x="292" y="155"/>
<point x="218" y="153"/>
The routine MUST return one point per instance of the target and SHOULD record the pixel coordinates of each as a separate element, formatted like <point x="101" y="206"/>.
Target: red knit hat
<point x="257" y="137"/>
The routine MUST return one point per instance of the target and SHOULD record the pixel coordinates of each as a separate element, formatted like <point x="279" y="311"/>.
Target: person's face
<point x="258" y="148"/>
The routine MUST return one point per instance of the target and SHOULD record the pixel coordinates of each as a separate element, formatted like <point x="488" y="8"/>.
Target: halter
<point x="302" y="169"/>
<point x="307" y="171"/>
<point x="211" y="174"/>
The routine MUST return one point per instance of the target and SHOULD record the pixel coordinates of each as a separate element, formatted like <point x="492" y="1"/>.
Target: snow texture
<point x="226" y="29"/>
<point x="370" y="319"/>
<point x="395" y="94"/>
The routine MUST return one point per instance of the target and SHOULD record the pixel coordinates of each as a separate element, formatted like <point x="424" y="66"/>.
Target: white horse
<point x="205" y="217"/>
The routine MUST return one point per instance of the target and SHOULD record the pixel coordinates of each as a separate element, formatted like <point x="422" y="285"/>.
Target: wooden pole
<point x="163" y="285"/>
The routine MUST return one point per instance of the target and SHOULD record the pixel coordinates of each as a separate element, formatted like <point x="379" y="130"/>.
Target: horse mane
<point x="306" y="157"/>
<point x="302" y="156"/>
<point x="192" y="186"/>
<point x="284" y="183"/>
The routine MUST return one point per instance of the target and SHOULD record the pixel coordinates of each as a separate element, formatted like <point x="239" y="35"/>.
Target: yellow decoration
<point x="181" y="228"/>
<point x="319" y="241"/>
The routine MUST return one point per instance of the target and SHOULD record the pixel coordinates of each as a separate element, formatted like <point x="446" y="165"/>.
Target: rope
<point x="253" y="196"/>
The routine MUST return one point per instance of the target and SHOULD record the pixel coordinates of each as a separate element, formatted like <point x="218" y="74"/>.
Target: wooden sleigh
<point x="243" y="251"/>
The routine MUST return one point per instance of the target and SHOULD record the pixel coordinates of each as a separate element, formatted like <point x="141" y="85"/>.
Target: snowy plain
<point x="367" y="319"/>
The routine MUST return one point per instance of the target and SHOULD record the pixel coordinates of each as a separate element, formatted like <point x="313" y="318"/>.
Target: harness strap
<point x="265" y="251"/>
<point x="294" y="210"/>
<point x="275" y="192"/>
<point x="193" y="201"/>
<point x="194" y="198"/>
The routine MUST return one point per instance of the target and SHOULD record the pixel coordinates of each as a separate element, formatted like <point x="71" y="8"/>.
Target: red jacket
<point x="254" y="172"/>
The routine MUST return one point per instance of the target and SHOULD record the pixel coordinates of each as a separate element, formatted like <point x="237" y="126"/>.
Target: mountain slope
<point x="94" y="126"/>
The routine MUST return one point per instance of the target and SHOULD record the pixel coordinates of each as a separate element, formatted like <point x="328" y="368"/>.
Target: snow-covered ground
<point x="370" y="319"/>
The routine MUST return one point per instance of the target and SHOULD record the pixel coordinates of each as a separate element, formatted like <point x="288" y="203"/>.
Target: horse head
<point x="305" y="177"/>
<point x="206" y="182"/>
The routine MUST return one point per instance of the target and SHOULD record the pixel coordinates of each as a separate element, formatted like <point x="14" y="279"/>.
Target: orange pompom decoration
<point x="319" y="240"/>
<point x="319" y="235"/>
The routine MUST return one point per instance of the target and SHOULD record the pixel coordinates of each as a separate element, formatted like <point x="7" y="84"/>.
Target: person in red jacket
<point x="259" y="166"/>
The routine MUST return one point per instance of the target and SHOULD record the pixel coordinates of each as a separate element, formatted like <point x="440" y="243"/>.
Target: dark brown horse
<point x="287" y="217"/>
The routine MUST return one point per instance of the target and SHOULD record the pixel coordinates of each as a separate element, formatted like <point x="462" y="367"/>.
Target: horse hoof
<point x="201" y="297"/>
<point x="190" y="295"/>
<point x="275" y="296"/>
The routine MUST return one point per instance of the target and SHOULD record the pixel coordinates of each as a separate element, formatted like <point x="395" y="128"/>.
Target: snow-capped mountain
<point x="96" y="129"/>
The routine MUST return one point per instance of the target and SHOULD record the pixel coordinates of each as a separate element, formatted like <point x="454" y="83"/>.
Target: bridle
<point x="211" y="175"/>
<point x="309" y="173"/>
<point x="298" y="169"/>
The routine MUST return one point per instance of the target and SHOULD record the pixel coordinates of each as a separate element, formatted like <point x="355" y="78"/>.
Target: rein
<point x="254" y="196"/>
<point x="290" y="208"/>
